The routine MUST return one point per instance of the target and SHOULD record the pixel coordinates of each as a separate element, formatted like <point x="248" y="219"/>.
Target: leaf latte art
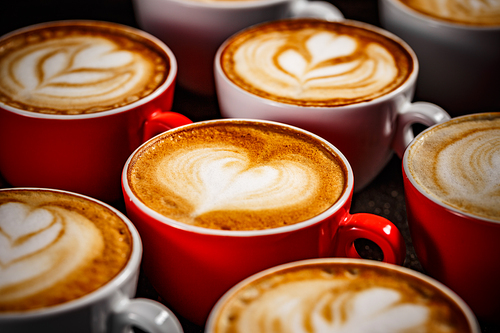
<point x="74" y="70"/>
<point x="336" y="300"/>
<point x="307" y="62"/>
<point x="460" y="165"/>
<point x="44" y="247"/>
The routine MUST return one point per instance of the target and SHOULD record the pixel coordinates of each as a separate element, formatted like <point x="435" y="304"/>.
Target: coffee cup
<point x="70" y="263"/>
<point x="194" y="29"/>
<point x="217" y="201"/>
<point x="341" y="295"/>
<point x="76" y="98"/>
<point x="451" y="183"/>
<point x="457" y="44"/>
<point x="348" y="82"/>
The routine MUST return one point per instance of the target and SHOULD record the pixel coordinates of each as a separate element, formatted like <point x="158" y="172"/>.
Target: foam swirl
<point x="224" y="178"/>
<point x="319" y="306"/>
<point x="476" y="12"/>
<point x="39" y="246"/>
<point x="313" y="65"/>
<point x="459" y="164"/>
<point x="76" y="72"/>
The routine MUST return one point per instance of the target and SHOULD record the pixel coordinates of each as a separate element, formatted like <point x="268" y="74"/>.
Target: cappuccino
<point x="56" y="247"/>
<point x="317" y="63"/>
<point x="458" y="164"/>
<point x="470" y="12"/>
<point x="78" y="67"/>
<point x="237" y="175"/>
<point x="338" y="296"/>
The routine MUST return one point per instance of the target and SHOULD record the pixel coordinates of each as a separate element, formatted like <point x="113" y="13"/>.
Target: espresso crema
<point x="237" y="175"/>
<point x="458" y="163"/>
<point x="310" y="62"/>
<point x="339" y="298"/>
<point x="472" y="12"/>
<point x="78" y="67"/>
<point x="55" y="248"/>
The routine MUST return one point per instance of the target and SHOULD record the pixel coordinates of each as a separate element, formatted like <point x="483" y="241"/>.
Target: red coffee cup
<point x="458" y="243"/>
<point x="192" y="266"/>
<point x="85" y="152"/>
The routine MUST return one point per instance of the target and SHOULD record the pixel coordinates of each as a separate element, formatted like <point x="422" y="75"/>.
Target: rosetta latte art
<point x="39" y="246"/>
<point x="326" y="64"/>
<point x="223" y="178"/>
<point x="322" y="306"/>
<point x="74" y="74"/>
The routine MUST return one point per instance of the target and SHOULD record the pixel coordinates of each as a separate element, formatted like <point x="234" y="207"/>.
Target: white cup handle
<point x="145" y="314"/>
<point x="415" y="113"/>
<point x="316" y="9"/>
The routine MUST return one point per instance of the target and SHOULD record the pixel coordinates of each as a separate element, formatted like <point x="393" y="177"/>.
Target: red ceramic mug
<point x="192" y="266"/>
<point x="69" y="113"/>
<point x="451" y="180"/>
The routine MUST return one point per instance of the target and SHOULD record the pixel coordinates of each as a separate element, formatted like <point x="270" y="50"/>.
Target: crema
<point x="78" y="67"/>
<point x="310" y="62"/>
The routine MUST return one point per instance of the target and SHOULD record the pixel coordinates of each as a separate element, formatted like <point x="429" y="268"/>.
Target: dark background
<point x="384" y="196"/>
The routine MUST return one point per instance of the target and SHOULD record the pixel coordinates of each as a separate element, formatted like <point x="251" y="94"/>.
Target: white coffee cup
<point x="194" y="29"/>
<point x="366" y="132"/>
<point x="459" y="63"/>
<point x="110" y="308"/>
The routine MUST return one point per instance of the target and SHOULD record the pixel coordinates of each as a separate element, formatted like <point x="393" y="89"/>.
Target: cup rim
<point x="159" y="218"/>
<point x="440" y="23"/>
<point x="169" y="81"/>
<point x="420" y="189"/>
<point x="100" y="293"/>
<point x="228" y="4"/>
<point x="404" y="86"/>
<point x="470" y="317"/>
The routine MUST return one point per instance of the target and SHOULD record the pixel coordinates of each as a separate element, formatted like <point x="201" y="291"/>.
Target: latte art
<point x="223" y="178"/>
<point x="475" y="12"/>
<point x="315" y="63"/>
<point x="338" y="299"/>
<point x="236" y="176"/>
<point x="460" y="165"/>
<point x="44" y="246"/>
<point x="77" y="69"/>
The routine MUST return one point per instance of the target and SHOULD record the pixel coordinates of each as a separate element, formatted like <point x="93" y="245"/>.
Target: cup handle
<point x="374" y="228"/>
<point x="316" y="9"/>
<point x="145" y="314"/>
<point x="415" y="113"/>
<point x="161" y="121"/>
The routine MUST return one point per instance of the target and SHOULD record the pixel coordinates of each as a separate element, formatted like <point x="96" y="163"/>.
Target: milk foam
<point x="321" y="306"/>
<point x="480" y="12"/>
<point x="39" y="246"/>
<point x="313" y="65"/>
<point x="460" y="165"/>
<point x="224" y="178"/>
<point x="74" y="73"/>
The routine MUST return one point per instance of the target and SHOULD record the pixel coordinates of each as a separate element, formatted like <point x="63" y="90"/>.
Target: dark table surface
<point x="384" y="196"/>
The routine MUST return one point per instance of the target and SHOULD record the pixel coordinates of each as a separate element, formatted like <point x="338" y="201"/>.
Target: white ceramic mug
<point x="194" y="29"/>
<point x="110" y="308"/>
<point x="367" y="133"/>
<point x="459" y="63"/>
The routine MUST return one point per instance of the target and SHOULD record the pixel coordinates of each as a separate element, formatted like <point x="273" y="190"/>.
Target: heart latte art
<point x="236" y="176"/>
<point x="341" y="299"/>
<point x="459" y="164"/>
<point x="74" y="69"/>
<point x="315" y="63"/>
<point x="44" y="246"/>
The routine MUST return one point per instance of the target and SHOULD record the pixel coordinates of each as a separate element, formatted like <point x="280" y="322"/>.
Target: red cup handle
<point x="161" y="121"/>
<point x="374" y="228"/>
